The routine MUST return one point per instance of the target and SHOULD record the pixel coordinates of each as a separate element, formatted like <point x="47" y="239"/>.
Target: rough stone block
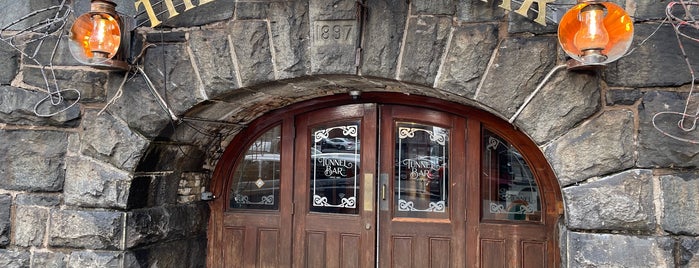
<point x="382" y="37"/>
<point x="611" y="250"/>
<point x="49" y="259"/>
<point x="10" y="67"/>
<point x="681" y="203"/>
<point x="32" y="160"/>
<point x="479" y="11"/>
<point x="185" y="253"/>
<point x="623" y="201"/>
<point x="166" y="37"/>
<point x="90" y="84"/>
<point x="600" y="146"/>
<point x="519" y="66"/>
<point x="253" y="53"/>
<point x="81" y="259"/>
<point x="146" y="226"/>
<point x="14" y="258"/>
<point x="212" y="54"/>
<point x="86" y="229"/>
<point x="547" y="117"/>
<point x="333" y="46"/>
<point x="668" y="67"/>
<point x="423" y="48"/>
<point x="289" y="27"/>
<point x="5" y="219"/>
<point x="138" y="108"/>
<point x="187" y="220"/>
<point x="169" y="68"/>
<point x="666" y="145"/>
<point x="332" y="10"/>
<point x="93" y="184"/>
<point x="31" y="226"/>
<point x="467" y="58"/>
<point x="17" y="108"/>
<point x="650" y="9"/>
<point x="39" y="199"/>
<point x="433" y="7"/>
<point x="623" y="96"/>
<point x="688" y="252"/>
<point x="252" y="10"/>
<point x="13" y="11"/>
<point x="110" y="140"/>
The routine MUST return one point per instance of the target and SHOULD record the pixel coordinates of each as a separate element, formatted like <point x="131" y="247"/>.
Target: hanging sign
<point x="188" y="5"/>
<point x="526" y="5"/>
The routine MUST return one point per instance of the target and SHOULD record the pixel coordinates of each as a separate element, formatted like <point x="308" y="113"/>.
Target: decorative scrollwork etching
<point x="514" y="209"/>
<point x="493" y="143"/>
<point x="404" y="132"/>
<point x="404" y="205"/>
<point x="322" y="201"/>
<point x="267" y="200"/>
<point x="350" y="130"/>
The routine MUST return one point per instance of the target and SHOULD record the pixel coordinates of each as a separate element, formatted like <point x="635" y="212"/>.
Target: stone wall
<point x="119" y="189"/>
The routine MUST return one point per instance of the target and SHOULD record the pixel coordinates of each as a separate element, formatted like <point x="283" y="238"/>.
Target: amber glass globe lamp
<point x="96" y="36"/>
<point x="595" y="33"/>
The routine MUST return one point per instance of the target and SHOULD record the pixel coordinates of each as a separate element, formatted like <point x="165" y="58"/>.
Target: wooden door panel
<point x="440" y="252"/>
<point x="333" y="249"/>
<point x="519" y="245"/>
<point x="268" y="244"/>
<point x="315" y="249"/>
<point x="401" y="253"/>
<point x="233" y="247"/>
<point x="493" y="253"/>
<point x="350" y="250"/>
<point x="533" y="254"/>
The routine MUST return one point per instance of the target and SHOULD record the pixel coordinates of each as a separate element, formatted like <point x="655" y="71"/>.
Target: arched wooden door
<point x="384" y="185"/>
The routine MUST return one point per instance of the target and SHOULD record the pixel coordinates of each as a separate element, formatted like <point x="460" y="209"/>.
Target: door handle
<point x="383" y="191"/>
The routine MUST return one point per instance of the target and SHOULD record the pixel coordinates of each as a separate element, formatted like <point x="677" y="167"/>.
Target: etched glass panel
<point x="509" y="189"/>
<point x="421" y="170"/>
<point x="334" y="181"/>
<point x="256" y="177"/>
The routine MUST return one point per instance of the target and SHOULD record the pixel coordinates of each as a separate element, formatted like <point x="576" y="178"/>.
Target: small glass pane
<point x="421" y="170"/>
<point x="334" y="182"/>
<point x="256" y="178"/>
<point x="509" y="189"/>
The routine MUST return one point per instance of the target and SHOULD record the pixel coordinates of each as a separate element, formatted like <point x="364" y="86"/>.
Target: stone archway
<point x="181" y="160"/>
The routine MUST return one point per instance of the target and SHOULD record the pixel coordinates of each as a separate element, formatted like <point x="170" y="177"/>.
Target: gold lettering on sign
<point x="149" y="10"/>
<point x="540" y="18"/>
<point x="169" y="4"/>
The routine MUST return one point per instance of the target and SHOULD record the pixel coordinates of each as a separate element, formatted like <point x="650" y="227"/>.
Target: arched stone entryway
<point x="198" y="142"/>
<point x="245" y="237"/>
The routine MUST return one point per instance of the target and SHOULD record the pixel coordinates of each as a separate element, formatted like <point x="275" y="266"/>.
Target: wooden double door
<point x="370" y="185"/>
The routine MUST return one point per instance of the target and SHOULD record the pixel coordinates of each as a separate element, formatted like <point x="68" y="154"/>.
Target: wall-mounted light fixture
<point x="101" y="37"/>
<point x="595" y="33"/>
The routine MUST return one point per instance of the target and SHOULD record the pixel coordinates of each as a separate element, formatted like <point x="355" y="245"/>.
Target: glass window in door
<point x="256" y="177"/>
<point x="421" y="177"/>
<point x="334" y="182"/>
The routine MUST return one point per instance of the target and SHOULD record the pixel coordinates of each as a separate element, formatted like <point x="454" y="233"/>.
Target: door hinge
<point x="293" y="207"/>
